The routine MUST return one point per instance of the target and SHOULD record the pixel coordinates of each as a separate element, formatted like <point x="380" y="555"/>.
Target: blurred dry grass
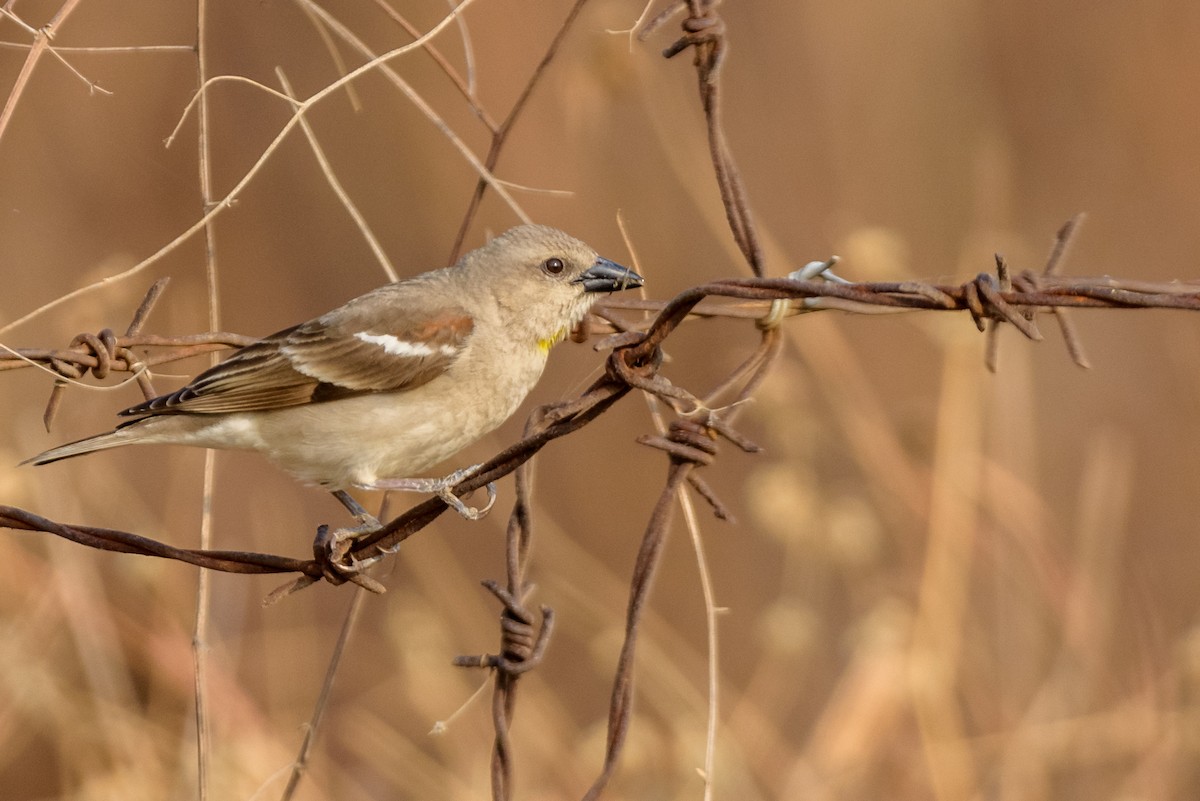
<point x="944" y="584"/>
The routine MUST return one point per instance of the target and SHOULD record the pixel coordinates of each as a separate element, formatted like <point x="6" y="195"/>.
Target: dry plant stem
<point x="710" y="613"/>
<point x="375" y="63"/>
<point x="41" y="45"/>
<point x="93" y="87"/>
<point x="200" y="637"/>
<point x="204" y="579"/>
<point x="711" y="640"/>
<point x="347" y="203"/>
<point x="322" y="703"/>
<point x="500" y="134"/>
<point x="463" y="86"/>
<point x="112" y="49"/>
<point x="379" y="62"/>
<point x="468" y="51"/>
<point x="335" y="55"/>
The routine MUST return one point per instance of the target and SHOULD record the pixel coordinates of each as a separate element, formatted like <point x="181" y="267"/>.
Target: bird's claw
<point x="469" y="512"/>
<point x="441" y="487"/>
<point x="337" y="544"/>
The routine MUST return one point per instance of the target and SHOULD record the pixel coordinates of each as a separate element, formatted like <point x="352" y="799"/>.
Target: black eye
<point x="554" y="266"/>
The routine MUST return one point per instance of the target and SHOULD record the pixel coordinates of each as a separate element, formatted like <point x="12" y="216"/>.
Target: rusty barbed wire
<point x="521" y="649"/>
<point x="982" y="296"/>
<point x="689" y="446"/>
<point x="632" y="364"/>
<point x="704" y="33"/>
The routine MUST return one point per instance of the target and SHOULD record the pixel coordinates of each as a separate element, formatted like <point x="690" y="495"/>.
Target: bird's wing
<point x="381" y="346"/>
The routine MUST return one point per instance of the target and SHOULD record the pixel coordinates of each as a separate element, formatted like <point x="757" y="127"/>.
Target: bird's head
<point x="545" y="280"/>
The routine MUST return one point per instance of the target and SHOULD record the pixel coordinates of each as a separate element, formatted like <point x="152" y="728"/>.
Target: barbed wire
<point x="983" y="297"/>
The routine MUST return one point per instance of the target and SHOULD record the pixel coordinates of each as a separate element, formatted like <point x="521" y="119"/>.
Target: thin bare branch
<point x="466" y="86"/>
<point x="343" y="196"/>
<point x="200" y="631"/>
<point x="349" y="623"/>
<point x="41" y="44"/>
<point x="375" y="63"/>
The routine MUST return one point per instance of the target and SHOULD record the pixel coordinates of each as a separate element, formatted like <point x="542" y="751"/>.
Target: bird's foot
<point x="338" y="543"/>
<point x="441" y="487"/>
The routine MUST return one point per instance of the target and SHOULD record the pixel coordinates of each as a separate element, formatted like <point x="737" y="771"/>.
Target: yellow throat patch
<point x="546" y="343"/>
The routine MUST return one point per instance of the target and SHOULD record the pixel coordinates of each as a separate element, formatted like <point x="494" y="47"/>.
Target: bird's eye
<point x="554" y="266"/>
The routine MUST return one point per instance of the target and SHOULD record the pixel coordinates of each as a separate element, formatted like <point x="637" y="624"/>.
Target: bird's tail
<point x="99" y="442"/>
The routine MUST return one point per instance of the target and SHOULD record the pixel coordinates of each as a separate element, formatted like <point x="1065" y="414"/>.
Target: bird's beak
<point x="608" y="276"/>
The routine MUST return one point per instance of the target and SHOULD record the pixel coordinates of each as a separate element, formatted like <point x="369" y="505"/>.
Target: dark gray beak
<point x="608" y="276"/>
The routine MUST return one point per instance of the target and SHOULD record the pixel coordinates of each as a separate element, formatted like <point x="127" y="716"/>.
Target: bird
<point x="377" y="391"/>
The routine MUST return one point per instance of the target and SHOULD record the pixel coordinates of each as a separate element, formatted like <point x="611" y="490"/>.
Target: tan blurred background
<point x="943" y="583"/>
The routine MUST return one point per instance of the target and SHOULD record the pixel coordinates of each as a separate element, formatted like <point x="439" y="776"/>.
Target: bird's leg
<point x="440" y="487"/>
<point x="337" y="542"/>
<point x="367" y="522"/>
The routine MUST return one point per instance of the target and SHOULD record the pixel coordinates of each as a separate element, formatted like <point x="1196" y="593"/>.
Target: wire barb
<point x="106" y="351"/>
<point x="522" y="646"/>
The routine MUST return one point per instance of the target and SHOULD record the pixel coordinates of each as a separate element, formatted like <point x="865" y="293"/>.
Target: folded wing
<point x="359" y="348"/>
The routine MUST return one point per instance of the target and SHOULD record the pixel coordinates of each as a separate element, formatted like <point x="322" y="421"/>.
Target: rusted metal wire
<point x="107" y="539"/>
<point x="648" y="557"/>
<point x="521" y="648"/>
<point x="983" y="297"/>
<point x="704" y="33"/>
<point x="689" y="444"/>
